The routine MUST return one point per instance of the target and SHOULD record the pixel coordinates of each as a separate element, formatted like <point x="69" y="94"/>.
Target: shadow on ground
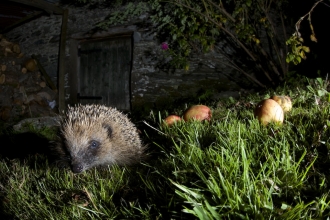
<point x="22" y="145"/>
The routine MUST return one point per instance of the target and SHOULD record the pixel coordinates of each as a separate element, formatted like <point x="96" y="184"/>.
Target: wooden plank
<point x="61" y="71"/>
<point x="119" y="93"/>
<point x="49" y="8"/>
<point x="21" y="21"/>
<point x="44" y="73"/>
<point x="73" y="72"/>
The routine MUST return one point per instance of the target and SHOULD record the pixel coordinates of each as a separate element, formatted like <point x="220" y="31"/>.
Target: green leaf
<point x="212" y="210"/>
<point x="174" y="36"/>
<point x="321" y="92"/>
<point x="187" y="191"/>
<point x="285" y="206"/>
<point x="201" y="213"/>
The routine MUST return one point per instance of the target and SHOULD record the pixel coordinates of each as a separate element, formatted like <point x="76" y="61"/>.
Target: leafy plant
<point x="202" y="26"/>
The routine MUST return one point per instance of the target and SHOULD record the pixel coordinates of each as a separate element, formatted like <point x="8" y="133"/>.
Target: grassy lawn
<point x="229" y="168"/>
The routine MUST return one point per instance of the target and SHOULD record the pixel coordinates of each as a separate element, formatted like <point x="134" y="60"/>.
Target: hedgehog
<point x="96" y="135"/>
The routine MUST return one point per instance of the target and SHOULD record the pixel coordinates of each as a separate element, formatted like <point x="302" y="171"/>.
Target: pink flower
<point x="164" y="46"/>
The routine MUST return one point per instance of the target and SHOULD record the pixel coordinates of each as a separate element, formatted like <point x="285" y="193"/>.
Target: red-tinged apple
<point x="171" y="119"/>
<point x="198" y="112"/>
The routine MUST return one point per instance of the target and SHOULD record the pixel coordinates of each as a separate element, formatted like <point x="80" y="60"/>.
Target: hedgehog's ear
<point x="108" y="128"/>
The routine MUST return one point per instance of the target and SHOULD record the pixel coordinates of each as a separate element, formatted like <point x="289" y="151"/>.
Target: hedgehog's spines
<point x="117" y="135"/>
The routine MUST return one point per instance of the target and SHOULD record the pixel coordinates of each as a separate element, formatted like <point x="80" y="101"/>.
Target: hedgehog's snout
<point x="77" y="167"/>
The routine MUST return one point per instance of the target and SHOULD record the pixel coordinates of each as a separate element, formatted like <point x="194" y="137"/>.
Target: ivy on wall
<point x="124" y="14"/>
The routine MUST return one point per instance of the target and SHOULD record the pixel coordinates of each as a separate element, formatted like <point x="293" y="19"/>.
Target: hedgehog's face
<point x="87" y="145"/>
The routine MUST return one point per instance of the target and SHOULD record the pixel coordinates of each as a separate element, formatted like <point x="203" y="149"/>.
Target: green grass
<point x="228" y="168"/>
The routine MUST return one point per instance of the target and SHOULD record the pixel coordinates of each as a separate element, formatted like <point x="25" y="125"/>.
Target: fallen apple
<point x="269" y="110"/>
<point x="171" y="119"/>
<point x="198" y="112"/>
<point x="284" y="102"/>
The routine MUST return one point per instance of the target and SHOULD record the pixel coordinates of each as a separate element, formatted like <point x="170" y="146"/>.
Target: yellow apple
<point x="269" y="110"/>
<point x="284" y="102"/>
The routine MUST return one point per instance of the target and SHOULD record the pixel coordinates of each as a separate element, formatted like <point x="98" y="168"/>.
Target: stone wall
<point x="203" y="75"/>
<point x="149" y="83"/>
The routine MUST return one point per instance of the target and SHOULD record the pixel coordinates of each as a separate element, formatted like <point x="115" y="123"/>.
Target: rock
<point x="24" y="70"/>
<point x="44" y="95"/>
<point x="29" y="98"/>
<point x="5" y="43"/>
<point x="8" y="51"/>
<point x="18" y="101"/>
<point x="5" y="113"/>
<point x="42" y="84"/>
<point x="38" y="123"/>
<point x="16" y="48"/>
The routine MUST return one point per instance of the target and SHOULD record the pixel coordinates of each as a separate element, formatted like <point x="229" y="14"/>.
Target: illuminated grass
<point x="228" y="168"/>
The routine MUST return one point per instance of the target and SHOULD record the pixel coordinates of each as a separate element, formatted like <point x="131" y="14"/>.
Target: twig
<point x="309" y="18"/>
<point x="231" y="64"/>
<point x="154" y="128"/>
<point x="273" y="132"/>
<point x="273" y="66"/>
<point x="90" y="198"/>
<point x="274" y="43"/>
<point x="222" y="10"/>
<point x="286" y="66"/>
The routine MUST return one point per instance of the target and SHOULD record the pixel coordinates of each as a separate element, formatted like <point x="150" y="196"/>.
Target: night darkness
<point x="319" y="57"/>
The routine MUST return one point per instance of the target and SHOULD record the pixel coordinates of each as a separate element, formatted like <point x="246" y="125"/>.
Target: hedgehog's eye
<point x="94" y="144"/>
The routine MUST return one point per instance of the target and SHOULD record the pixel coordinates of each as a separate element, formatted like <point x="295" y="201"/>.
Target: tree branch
<point x="277" y="51"/>
<point x="303" y="17"/>
<point x="223" y="11"/>
<point x="232" y="36"/>
<point x="286" y="66"/>
<point x="231" y="64"/>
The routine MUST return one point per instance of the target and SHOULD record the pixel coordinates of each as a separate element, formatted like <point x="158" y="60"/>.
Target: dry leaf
<point x="313" y="38"/>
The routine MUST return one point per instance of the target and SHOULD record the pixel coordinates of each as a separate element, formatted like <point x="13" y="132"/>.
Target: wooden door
<point x="104" y="72"/>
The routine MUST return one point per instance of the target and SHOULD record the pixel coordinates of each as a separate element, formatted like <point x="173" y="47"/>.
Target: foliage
<point x="184" y="28"/>
<point x="121" y="11"/>
<point x="296" y="41"/>
<point x="298" y="50"/>
<point x="126" y="13"/>
<point x="201" y="26"/>
<point x="230" y="168"/>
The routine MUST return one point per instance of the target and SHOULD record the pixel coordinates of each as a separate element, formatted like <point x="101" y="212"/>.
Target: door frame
<point x="73" y="65"/>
